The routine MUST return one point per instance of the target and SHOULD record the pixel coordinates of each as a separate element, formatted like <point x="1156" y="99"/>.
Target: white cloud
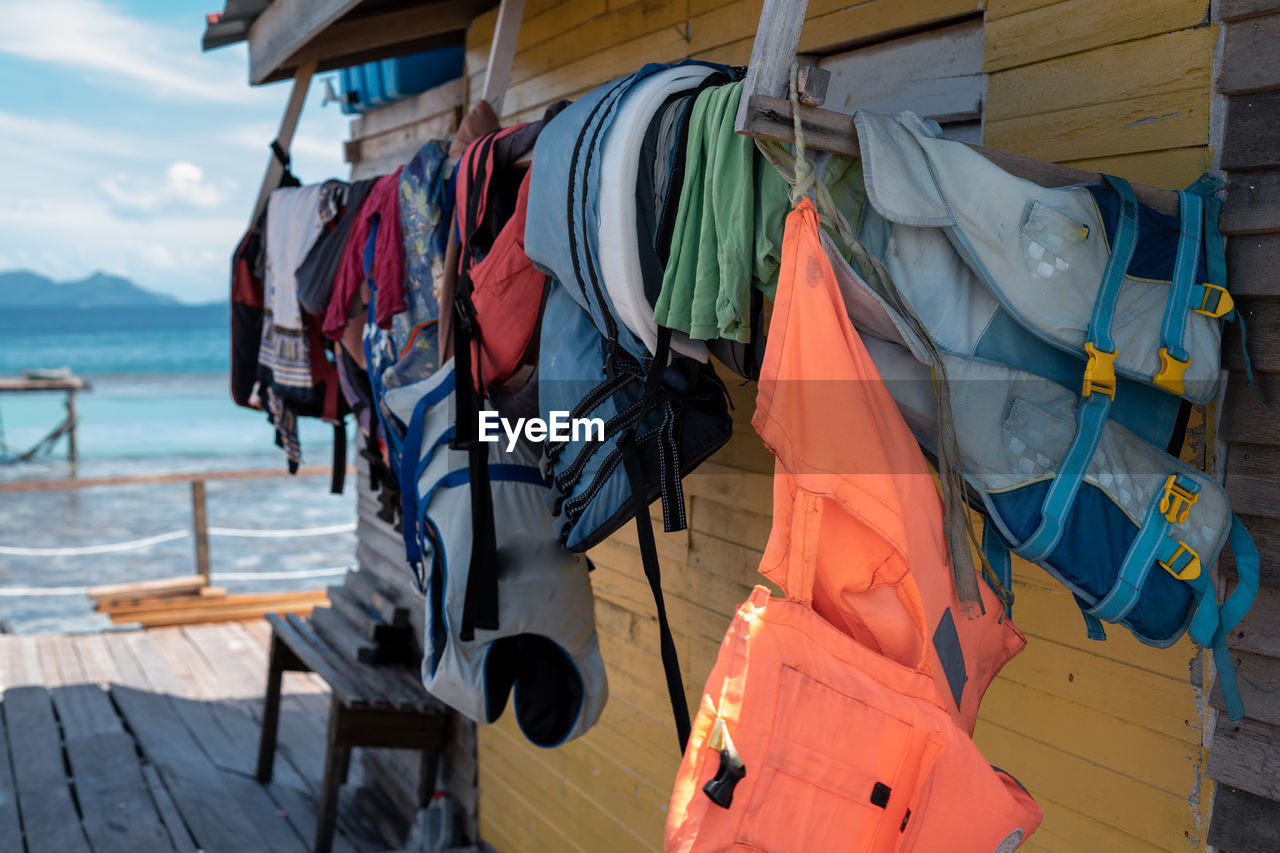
<point x="91" y="35"/>
<point x="258" y="136"/>
<point x="184" y="184"/>
<point x="21" y="136"/>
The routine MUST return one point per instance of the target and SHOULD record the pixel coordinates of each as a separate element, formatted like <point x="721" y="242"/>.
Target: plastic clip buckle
<point x="1222" y="306"/>
<point x="1179" y="495"/>
<point x="1184" y="564"/>
<point x="1100" y="372"/>
<point x="1170" y="375"/>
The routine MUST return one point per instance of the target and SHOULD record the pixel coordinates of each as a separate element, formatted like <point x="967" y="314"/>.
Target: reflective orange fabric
<point x="837" y="697"/>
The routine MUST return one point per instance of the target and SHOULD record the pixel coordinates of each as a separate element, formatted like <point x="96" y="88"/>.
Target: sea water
<point x="160" y="402"/>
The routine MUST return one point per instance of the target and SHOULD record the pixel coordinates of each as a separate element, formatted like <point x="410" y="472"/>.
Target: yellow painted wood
<point x="1171" y="169"/>
<point x="1005" y="8"/>
<point x="1151" y="122"/>
<point x="1072" y="26"/>
<point x="832" y="23"/>
<point x="1168" y="62"/>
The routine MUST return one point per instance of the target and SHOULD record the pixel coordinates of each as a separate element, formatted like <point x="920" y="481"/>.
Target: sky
<point x="124" y="148"/>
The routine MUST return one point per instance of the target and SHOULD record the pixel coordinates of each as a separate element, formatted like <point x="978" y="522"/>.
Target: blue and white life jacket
<point x="1119" y="307"/>
<point x="662" y="415"/>
<point x="545" y="649"/>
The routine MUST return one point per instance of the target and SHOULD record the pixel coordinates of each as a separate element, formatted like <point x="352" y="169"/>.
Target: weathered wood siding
<point x="1245" y="756"/>
<point x="1108" y="736"/>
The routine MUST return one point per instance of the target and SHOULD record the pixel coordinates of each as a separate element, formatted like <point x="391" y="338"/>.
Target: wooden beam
<point x="502" y="52"/>
<point x="769" y="71"/>
<point x="347" y="41"/>
<point x="288" y="125"/>
<point x="285" y="27"/>
<point x="152" y="479"/>
<point x="826" y="130"/>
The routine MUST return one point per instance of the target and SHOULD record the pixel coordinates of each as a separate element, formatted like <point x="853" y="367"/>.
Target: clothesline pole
<point x="288" y="125"/>
<point x="777" y="37"/>
<point x="502" y="52"/>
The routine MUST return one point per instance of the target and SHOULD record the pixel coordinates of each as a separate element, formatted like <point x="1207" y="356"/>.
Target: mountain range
<point x="25" y="289"/>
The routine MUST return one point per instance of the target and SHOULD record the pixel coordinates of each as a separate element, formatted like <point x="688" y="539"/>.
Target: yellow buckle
<point x="1100" y="372"/>
<point x="1170" y="376"/>
<point x="1225" y="304"/>
<point x="1175" y="503"/>
<point x="1190" y="571"/>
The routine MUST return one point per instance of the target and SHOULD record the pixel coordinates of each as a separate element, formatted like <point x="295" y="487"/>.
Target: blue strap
<point x="997" y="554"/>
<point x="1179" y="302"/>
<point x="1092" y="627"/>
<point x="1212" y="623"/>
<point x="1146" y="548"/>
<point x="410" y="527"/>
<point x="498" y="473"/>
<point x="1091" y="414"/>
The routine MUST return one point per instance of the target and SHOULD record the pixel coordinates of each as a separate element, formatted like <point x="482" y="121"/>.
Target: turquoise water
<point x="159" y="402"/>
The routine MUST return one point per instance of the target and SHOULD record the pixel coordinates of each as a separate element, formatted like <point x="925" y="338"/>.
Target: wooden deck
<point x="147" y="741"/>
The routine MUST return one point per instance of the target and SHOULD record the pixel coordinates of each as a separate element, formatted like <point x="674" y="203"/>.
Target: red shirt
<point x="387" y="270"/>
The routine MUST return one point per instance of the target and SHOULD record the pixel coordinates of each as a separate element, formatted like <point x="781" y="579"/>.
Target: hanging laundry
<point x="545" y="652"/>
<point x="382" y="204"/>
<point x="1066" y="324"/>
<point x="317" y="273"/>
<point x="727" y="234"/>
<point x="293" y="224"/>
<point x="839" y="717"/>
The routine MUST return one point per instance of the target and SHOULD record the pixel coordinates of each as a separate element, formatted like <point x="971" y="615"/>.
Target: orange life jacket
<point x="840" y="716"/>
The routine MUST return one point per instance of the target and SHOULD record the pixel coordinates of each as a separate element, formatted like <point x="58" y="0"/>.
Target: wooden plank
<point x="347" y="688"/>
<point x="214" y="613"/>
<point x="382" y="680"/>
<point x="136" y="590"/>
<point x="1251" y="262"/>
<point x="1149" y="122"/>
<point x="937" y="73"/>
<point x="200" y="528"/>
<point x="1243" y="417"/>
<point x="1252" y="203"/>
<point x="1234" y="10"/>
<point x="284" y="28"/>
<point x="1168" y="62"/>
<point x="1246" y="755"/>
<point x="502" y="53"/>
<point x="1266" y="535"/>
<point x="442" y="99"/>
<point x="1060" y="29"/>
<point x="1244" y="823"/>
<point x="288" y="119"/>
<point x="1250" y="140"/>
<point x="85" y="711"/>
<point x="179" y="835"/>
<point x="831" y="131"/>
<point x="214" y="603"/>
<point x="21" y="661"/>
<point x="1253" y="479"/>
<point x="10" y="825"/>
<point x="155" y="479"/>
<point x="402" y="143"/>
<point x="1249" y="61"/>
<point x="1173" y="168"/>
<point x="116" y="808"/>
<point x="834" y="24"/>
<point x="192" y="780"/>
<point x="1259" y="681"/>
<point x="49" y="820"/>
<point x="1261" y="316"/>
<point x="769" y="71"/>
<point x="368" y="588"/>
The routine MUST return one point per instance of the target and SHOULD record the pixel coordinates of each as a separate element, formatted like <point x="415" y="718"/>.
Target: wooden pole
<point x="288" y="125"/>
<point x="200" y="522"/>
<point x="502" y="52"/>
<point x="769" y="71"/>
<point x="72" y="452"/>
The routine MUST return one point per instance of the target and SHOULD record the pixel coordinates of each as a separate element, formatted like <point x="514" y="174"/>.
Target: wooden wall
<point x="1108" y="736"/>
<point x="1245" y="757"/>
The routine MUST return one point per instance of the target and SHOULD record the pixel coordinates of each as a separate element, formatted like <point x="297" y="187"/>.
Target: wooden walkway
<point x="147" y="741"/>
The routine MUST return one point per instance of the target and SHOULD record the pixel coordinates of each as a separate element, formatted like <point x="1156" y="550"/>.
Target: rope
<point x="148" y="541"/>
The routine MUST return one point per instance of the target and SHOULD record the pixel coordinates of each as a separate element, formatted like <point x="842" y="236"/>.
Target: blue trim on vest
<point x="1150" y="544"/>
<point x="1178" y="305"/>
<point x="1091" y="414"/>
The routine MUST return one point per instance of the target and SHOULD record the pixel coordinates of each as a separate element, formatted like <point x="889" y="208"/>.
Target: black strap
<point x="278" y="150"/>
<point x="480" y="603"/>
<point x="649" y="558"/>
<point x="338" y="476"/>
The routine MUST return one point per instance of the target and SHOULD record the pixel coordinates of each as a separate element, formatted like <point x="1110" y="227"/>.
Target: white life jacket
<point x="1022" y="291"/>
<point x="545" y="649"/>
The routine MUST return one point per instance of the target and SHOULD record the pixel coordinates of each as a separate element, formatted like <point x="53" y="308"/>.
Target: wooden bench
<point x="371" y="706"/>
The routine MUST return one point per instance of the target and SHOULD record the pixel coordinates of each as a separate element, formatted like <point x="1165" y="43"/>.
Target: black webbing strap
<point x="648" y="546"/>
<point x="338" y="476"/>
<point x="652" y="572"/>
<point x="480" y="604"/>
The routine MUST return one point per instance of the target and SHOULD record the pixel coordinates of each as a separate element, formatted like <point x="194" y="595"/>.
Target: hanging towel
<point x="293" y="224"/>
